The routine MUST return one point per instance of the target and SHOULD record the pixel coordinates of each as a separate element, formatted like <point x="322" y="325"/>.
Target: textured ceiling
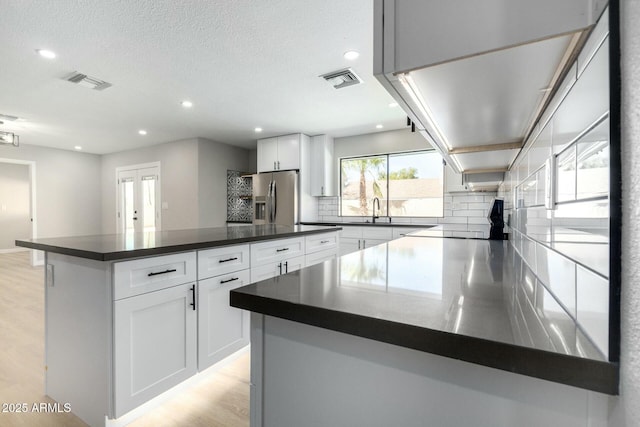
<point x="242" y="63"/>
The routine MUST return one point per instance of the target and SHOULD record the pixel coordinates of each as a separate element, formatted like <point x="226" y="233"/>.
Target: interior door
<point x="138" y="200"/>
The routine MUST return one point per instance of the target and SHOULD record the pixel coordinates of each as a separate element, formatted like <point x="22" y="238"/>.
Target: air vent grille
<point x="8" y="117"/>
<point x="342" y="78"/>
<point x="87" y="81"/>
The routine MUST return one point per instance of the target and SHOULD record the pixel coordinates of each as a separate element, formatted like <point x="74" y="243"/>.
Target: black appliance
<point x="496" y="218"/>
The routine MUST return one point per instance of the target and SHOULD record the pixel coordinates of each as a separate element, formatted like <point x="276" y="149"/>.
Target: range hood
<point x="475" y="76"/>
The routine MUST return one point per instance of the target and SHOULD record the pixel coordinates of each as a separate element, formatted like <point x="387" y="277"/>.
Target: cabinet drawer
<point x="403" y="231"/>
<point x="318" y="257"/>
<point x="274" y="269"/>
<point x="276" y="250"/>
<point x="351" y="232"/>
<point x="144" y="275"/>
<point x="378" y="233"/>
<point x="217" y="261"/>
<point x="321" y="242"/>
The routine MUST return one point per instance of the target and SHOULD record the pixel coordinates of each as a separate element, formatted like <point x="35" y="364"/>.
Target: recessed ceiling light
<point x="77" y="147"/>
<point x="258" y="130"/>
<point x="142" y="132"/>
<point x="351" y="55"/>
<point x="393" y="105"/>
<point x="187" y="104"/>
<point x="379" y="126"/>
<point x="46" y="53"/>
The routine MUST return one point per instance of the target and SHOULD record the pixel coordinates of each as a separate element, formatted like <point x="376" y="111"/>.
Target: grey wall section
<point x="15" y="212"/>
<point x="214" y="158"/>
<point x="178" y="181"/>
<point x="67" y="189"/>
<point x="192" y="179"/>
<point x="626" y="411"/>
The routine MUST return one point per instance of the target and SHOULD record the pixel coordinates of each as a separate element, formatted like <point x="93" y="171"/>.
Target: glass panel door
<point x="138" y="200"/>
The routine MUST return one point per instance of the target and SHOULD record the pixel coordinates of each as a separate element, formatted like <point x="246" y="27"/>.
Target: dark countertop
<point x="380" y="223"/>
<point x="473" y="300"/>
<point x="109" y="247"/>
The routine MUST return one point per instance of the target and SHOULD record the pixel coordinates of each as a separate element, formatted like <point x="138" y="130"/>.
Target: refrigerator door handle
<point x="270" y="202"/>
<point x="275" y="201"/>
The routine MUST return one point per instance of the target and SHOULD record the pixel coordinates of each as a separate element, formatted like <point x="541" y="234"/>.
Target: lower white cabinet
<point x="154" y="344"/>
<point x="354" y="238"/>
<point x="276" y="268"/>
<point x="318" y="257"/>
<point x="222" y="329"/>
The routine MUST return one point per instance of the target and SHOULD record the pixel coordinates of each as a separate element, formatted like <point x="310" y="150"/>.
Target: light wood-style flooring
<point x="221" y="399"/>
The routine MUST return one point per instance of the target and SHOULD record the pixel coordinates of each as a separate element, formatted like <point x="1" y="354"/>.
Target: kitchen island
<point x="420" y="331"/>
<point x="130" y="316"/>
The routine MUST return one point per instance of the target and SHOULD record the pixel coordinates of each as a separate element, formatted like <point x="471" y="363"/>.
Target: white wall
<point x="67" y="189"/>
<point x="193" y="181"/>
<point x="14" y="204"/>
<point x="178" y="181"/>
<point x="626" y="410"/>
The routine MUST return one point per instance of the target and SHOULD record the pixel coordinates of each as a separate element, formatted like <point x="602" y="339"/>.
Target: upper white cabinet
<point x="322" y="182"/>
<point x="279" y="153"/>
<point x="453" y="181"/>
<point x="454" y="92"/>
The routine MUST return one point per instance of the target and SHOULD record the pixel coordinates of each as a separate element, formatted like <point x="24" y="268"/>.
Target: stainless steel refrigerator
<point x="275" y="198"/>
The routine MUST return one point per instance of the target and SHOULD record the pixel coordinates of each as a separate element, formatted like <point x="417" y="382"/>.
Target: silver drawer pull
<point x="162" y="272"/>
<point x="229" y="280"/>
<point x="282" y="250"/>
<point x="324" y="241"/>
<point x="228" y="259"/>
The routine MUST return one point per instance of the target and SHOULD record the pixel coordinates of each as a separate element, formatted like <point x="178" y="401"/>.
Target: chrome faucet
<point x="374" y="216"/>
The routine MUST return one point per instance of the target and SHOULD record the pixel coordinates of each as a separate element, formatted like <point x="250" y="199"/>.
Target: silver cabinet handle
<point x="324" y="241"/>
<point x="278" y="164"/>
<point x="282" y="250"/>
<point x="286" y="267"/>
<point x="274" y="165"/>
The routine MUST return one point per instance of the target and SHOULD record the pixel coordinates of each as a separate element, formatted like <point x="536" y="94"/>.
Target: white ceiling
<point x="242" y="63"/>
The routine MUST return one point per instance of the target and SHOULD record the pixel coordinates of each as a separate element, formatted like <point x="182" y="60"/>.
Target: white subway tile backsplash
<point x="469" y="213"/>
<point x="562" y="280"/>
<point x="593" y="307"/>
<point x="452" y="220"/>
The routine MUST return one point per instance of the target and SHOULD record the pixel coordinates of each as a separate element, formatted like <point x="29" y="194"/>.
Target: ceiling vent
<point x="342" y="78"/>
<point x="8" y="118"/>
<point x="87" y="81"/>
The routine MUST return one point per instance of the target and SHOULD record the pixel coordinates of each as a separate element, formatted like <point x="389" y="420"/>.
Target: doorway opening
<point x="17" y="205"/>
<point x="138" y="198"/>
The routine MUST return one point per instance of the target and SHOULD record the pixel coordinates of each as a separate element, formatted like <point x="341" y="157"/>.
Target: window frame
<point x="387" y="155"/>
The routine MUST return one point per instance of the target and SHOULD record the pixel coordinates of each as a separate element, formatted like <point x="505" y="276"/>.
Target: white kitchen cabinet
<point x="276" y="268"/>
<point x="222" y="329"/>
<point x="267" y="154"/>
<point x="322" y="176"/>
<point x="154" y="344"/>
<point x="142" y="275"/>
<point x="272" y="251"/>
<point x="321" y="242"/>
<point x="322" y="256"/>
<point x="279" y="153"/>
<point x="354" y="238"/>
<point x="399" y="232"/>
<point x="453" y="181"/>
<point x="218" y="261"/>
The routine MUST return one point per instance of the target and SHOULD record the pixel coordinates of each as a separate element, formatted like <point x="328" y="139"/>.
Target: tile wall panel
<point x="465" y="214"/>
<point x="593" y="307"/>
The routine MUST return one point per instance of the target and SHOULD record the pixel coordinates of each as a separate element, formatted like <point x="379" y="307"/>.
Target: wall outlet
<point x="165" y="205"/>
